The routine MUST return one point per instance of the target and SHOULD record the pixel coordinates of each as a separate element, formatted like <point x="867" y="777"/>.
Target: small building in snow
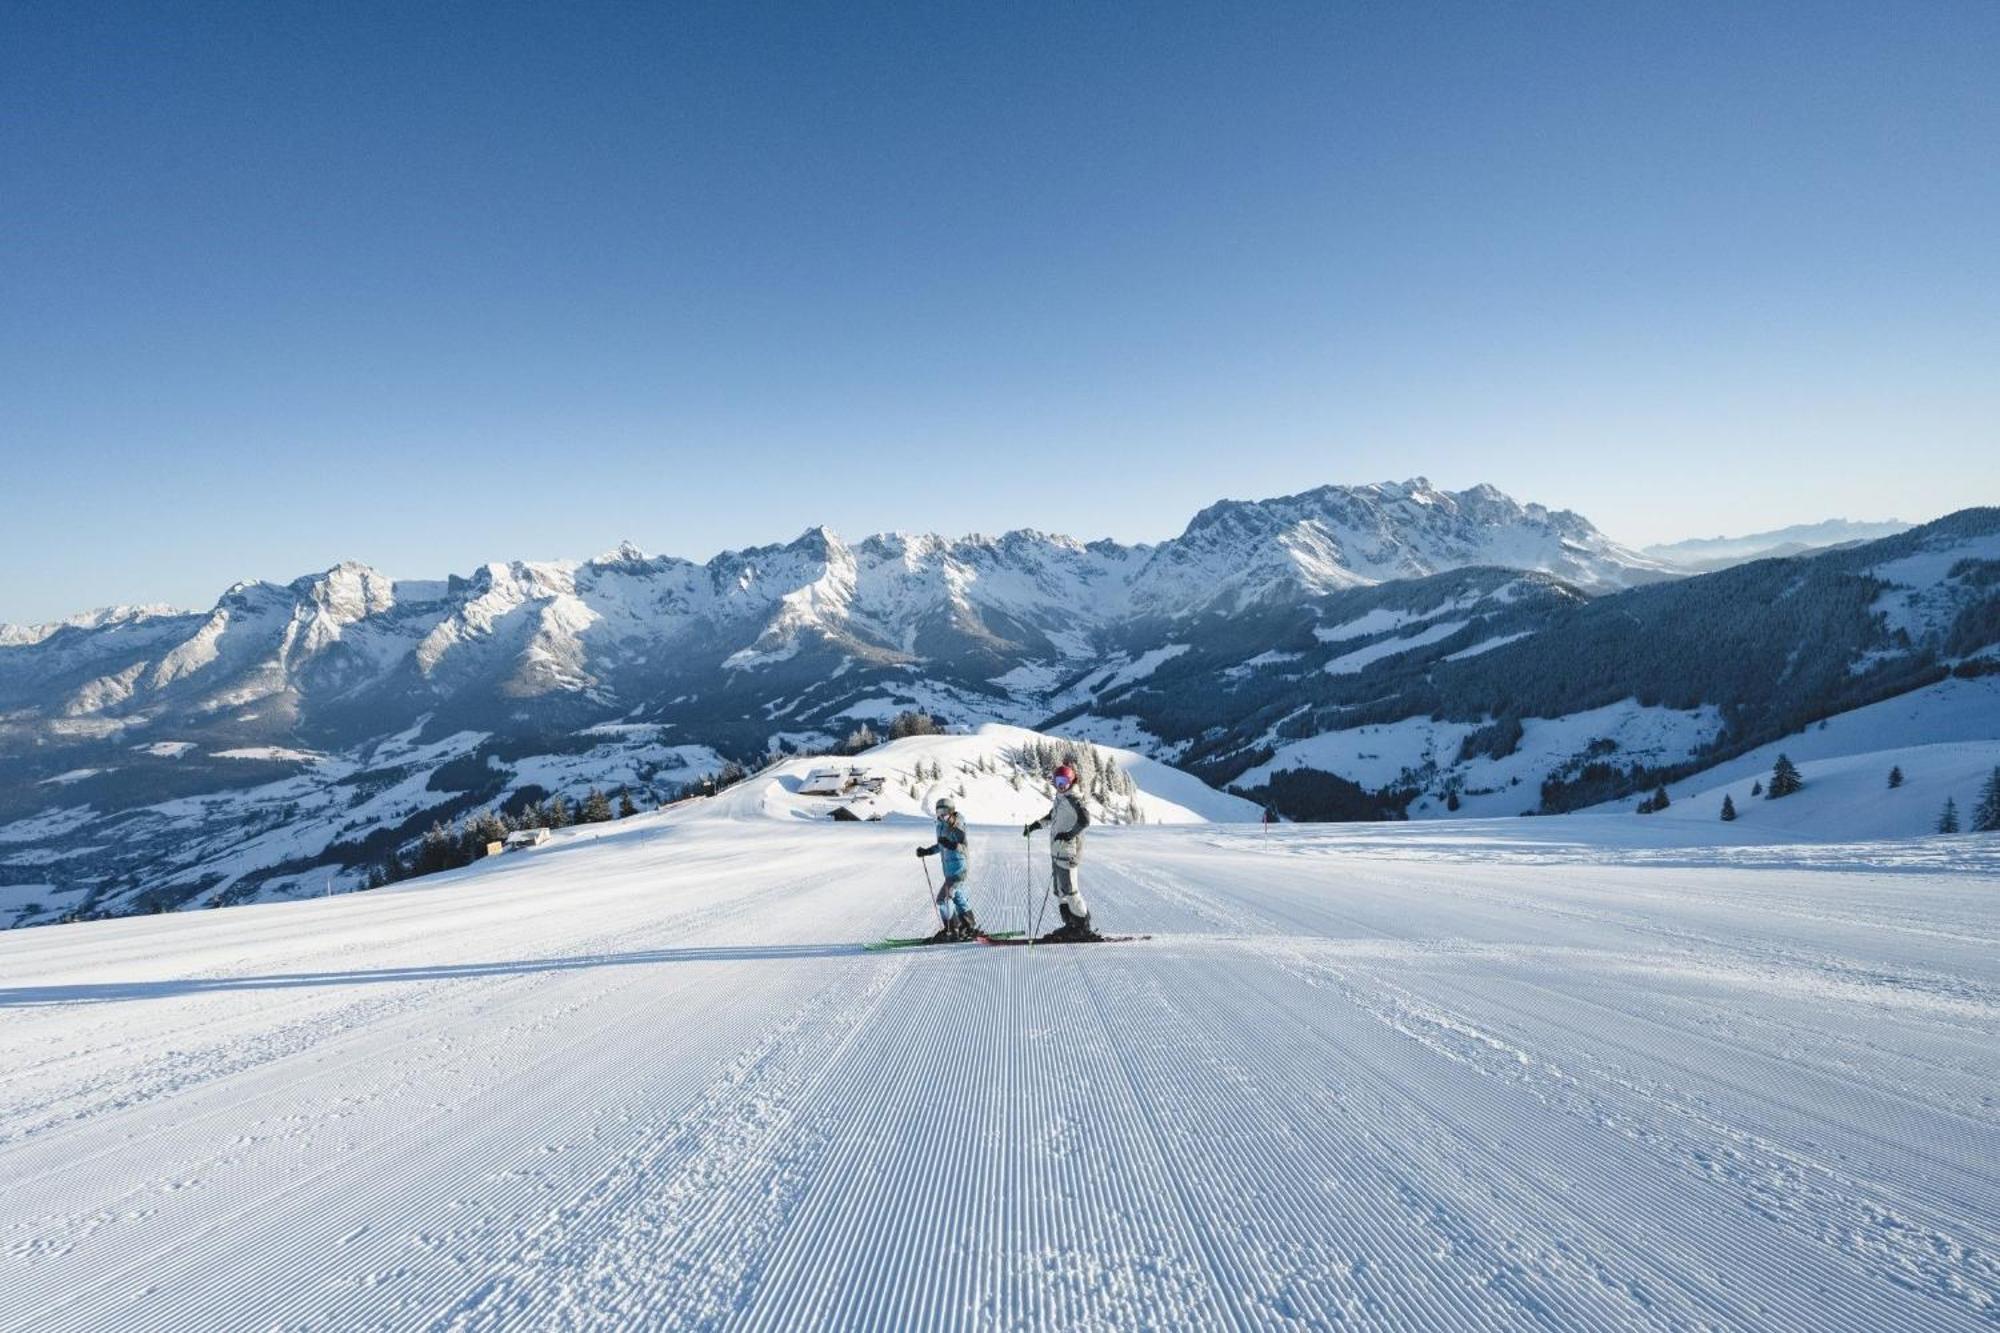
<point x="522" y="839"/>
<point x="824" y="782"/>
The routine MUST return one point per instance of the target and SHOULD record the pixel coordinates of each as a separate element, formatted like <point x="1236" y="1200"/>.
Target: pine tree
<point x="556" y="813"/>
<point x="1895" y="777"/>
<point x="1728" y="809"/>
<point x="1948" y="817"/>
<point x="1757" y="789"/>
<point x="625" y="807"/>
<point x="1785" y="778"/>
<point x="1986" y="815"/>
<point x="596" y="808"/>
<point x="1660" y="798"/>
<point x="437" y="852"/>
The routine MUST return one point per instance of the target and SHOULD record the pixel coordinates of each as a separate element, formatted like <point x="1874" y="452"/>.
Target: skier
<point x="1066" y="821"/>
<point x="953" y="848"/>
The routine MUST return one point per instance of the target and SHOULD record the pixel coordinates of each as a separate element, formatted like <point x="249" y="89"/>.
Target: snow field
<point x="1507" y="1075"/>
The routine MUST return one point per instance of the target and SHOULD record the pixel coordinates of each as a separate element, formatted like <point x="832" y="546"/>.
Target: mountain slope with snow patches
<point x="1347" y="651"/>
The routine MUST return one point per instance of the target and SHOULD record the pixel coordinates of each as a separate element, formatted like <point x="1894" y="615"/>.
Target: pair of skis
<point x="998" y="937"/>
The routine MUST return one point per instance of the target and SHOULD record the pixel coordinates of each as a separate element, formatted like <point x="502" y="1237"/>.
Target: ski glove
<point x="926" y="851"/>
<point x="1061" y="837"/>
<point x="1028" y="832"/>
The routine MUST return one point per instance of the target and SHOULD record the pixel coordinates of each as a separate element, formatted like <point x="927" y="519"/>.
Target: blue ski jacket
<point x="953" y="846"/>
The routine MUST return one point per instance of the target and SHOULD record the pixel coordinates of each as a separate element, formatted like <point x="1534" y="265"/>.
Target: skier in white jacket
<point x="1066" y="820"/>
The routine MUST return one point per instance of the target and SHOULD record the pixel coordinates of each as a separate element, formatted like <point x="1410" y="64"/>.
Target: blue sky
<point x="431" y="285"/>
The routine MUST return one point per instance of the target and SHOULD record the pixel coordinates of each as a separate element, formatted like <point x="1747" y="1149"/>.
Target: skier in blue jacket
<point x="953" y="847"/>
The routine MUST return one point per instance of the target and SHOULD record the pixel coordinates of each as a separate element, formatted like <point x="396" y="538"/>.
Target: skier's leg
<point x="1069" y="901"/>
<point x="952" y="907"/>
<point x="967" y="923"/>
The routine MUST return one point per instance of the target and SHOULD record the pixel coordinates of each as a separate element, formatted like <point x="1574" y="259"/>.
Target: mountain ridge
<point x="300" y="730"/>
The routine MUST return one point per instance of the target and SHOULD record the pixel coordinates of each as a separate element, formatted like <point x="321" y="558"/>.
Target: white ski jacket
<point x="1065" y="821"/>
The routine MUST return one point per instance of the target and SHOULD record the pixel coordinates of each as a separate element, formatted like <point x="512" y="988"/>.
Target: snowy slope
<point x="1553" y="1074"/>
<point x="1945" y="738"/>
<point x="983" y="774"/>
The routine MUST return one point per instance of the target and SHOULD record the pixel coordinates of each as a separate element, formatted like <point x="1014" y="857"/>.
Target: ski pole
<point x="930" y="892"/>
<point x="1028" y="903"/>
<point x="1043" y="906"/>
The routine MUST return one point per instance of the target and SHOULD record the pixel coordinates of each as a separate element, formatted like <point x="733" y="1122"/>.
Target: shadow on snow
<point x="100" y="992"/>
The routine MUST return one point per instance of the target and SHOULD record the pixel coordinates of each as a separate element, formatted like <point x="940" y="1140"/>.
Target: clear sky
<point x="427" y="285"/>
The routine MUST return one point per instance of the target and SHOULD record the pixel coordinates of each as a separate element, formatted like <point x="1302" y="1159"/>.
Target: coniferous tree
<point x="1660" y="798"/>
<point x="1948" y="817"/>
<point x="1757" y="789"/>
<point x="489" y="828"/>
<point x="1785" y="778"/>
<point x="556" y="812"/>
<point x="1728" y="809"/>
<point x="437" y="852"/>
<point x="1986" y="815"/>
<point x="625" y="807"/>
<point x="1895" y="777"/>
<point x="596" y="808"/>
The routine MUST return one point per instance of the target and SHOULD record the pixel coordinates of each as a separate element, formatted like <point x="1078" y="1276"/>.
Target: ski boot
<point x="967" y="924"/>
<point x="1074" y="926"/>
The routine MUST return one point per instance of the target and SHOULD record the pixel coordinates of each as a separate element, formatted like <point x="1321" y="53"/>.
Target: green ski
<point x="880" y="945"/>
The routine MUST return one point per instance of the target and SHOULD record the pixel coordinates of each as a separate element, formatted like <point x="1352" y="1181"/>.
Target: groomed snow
<point x="1583" y="1073"/>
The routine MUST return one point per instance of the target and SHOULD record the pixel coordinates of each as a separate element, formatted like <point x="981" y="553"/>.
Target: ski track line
<point x="528" y="996"/>
<point x="1267" y="1189"/>
<point x="411" y="1010"/>
<point x="1691" y="1219"/>
<point x="608" y="1250"/>
<point x="401" y="1127"/>
<point x="182" y="1068"/>
<point x="1850" y="1208"/>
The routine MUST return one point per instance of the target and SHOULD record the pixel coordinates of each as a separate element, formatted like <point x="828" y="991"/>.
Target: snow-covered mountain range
<point x="608" y="630"/>
<point x="298" y="731"/>
<point x="1707" y="554"/>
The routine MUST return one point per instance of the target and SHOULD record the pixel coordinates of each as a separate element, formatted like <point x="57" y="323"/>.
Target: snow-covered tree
<point x="1948" y="817"/>
<point x="625" y="807"/>
<point x="1785" y="778"/>
<point x="596" y="808"/>
<point x="1728" y="809"/>
<point x="912" y="724"/>
<point x="1986" y="815"/>
<point x="438" y="852"/>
